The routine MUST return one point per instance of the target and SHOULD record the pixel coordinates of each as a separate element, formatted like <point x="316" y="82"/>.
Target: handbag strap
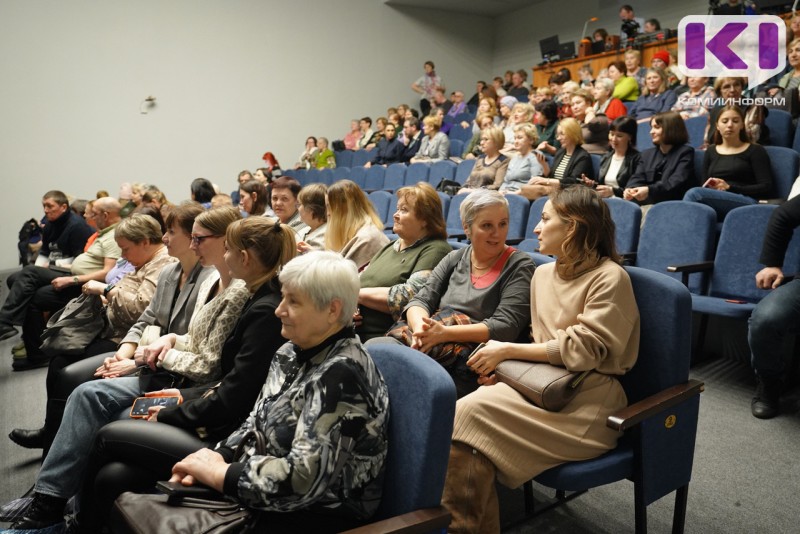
<point x="260" y="444"/>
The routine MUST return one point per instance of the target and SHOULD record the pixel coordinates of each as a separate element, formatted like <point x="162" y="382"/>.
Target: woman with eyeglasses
<point x="169" y="310"/>
<point x="219" y="366"/>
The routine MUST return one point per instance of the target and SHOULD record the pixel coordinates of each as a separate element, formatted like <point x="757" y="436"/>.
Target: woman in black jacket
<point x="618" y="164"/>
<point x="570" y="163"/>
<point x="666" y="171"/>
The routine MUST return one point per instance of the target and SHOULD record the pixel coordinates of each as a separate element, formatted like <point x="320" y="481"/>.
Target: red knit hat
<point x="663" y="55"/>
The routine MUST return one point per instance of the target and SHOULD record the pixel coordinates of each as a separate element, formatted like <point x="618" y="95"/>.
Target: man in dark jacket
<point x="64" y="237"/>
<point x="777" y="314"/>
<point x="414" y="137"/>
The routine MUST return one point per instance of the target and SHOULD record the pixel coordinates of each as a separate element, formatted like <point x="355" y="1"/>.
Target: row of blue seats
<point x="784" y="162"/>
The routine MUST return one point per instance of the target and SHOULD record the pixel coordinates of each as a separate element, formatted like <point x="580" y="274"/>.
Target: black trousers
<point x="134" y="455"/>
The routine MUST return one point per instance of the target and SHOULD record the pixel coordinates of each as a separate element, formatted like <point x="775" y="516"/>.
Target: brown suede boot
<point x="469" y="492"/>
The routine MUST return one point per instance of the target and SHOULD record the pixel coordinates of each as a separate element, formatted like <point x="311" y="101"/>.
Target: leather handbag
<point x="183" y="512"/>
<point x="545" y="385"/>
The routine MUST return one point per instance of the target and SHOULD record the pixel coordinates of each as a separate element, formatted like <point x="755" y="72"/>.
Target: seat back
<point x="456" y="148"/>
<point x="595" y="166"/>
<point x="627" y="218"/>
<point x="422" y="400"/>
<point x="464" y="170"/>
<point x="445" y="198"/>
<point x="344" y="158"/>
<point x="779" y="123"/>
<point x="326" y="176"/>
<point x="417" y="172"/>
<point x="785" y="166"/>
<point x="453" y="219"/>
<point x="360" y="157"/>
<point x="737" y="260"/>
<point x="696" y="126"/>
<point x="358" y="175"/>
<point x="441" y="170"/>
<point x="665" y="314"/>
<point x="643" y="139"/>
<point x="380" y="201"/>
<point x="462" y="134"/>
<point x="518" y="209"/>
<point x="342" y="173"/>
<point x="678" y="233"/>
<point x="312" y="176"/>
<point x="395" y="177"/>
<point x="374" y="178"/>
<point x="534" y="216"/>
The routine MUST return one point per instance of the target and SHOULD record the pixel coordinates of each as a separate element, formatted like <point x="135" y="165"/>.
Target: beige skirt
<point x="523" y="440"/>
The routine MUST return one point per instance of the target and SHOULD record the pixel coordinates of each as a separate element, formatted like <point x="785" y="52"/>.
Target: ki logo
<point x="752" y="46"/>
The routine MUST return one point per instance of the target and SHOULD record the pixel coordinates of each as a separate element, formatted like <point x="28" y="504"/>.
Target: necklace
<point x="476" y="267"/>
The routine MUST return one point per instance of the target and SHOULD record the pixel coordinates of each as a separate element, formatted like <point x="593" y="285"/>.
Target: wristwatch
<point x="108" y="288"/>
<point x="75" y="280"/>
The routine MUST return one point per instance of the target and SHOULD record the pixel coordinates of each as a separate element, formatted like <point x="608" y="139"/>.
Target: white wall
<point x="517" y="34"/>
<point x="232" y="80"/>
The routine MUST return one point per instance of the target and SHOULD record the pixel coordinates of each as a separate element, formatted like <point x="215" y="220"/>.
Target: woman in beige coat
<point x="584" y="317"/>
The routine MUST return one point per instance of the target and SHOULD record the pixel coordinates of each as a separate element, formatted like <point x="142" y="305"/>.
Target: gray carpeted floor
<point x="745" y="473"/>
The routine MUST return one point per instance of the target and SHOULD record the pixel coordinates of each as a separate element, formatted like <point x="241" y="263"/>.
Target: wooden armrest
<point x="691" y="267"/>
<point x="636" y="413"/>
<point x="418" y="521"/>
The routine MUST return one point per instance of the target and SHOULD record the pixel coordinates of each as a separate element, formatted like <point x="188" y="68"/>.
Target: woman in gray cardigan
<point x="435" y="145"/>
<point x="487" y="281"/>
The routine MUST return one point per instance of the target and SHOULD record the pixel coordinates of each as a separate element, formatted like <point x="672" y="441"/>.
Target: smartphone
<point x="479" y="347"/>
<point x="142" y="404"/>
<point x="175" y="489"/>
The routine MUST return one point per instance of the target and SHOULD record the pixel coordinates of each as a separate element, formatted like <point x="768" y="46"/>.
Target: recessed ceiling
<point x="485" y="8"/>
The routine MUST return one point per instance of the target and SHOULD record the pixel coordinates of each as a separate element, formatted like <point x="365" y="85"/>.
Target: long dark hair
<point x="591" y="237"/>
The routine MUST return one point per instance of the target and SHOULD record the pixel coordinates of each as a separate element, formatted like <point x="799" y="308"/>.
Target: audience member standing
<point x="426" y="85"/>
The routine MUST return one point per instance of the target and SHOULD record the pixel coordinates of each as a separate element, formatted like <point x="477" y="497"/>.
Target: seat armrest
<point x="514" y="241"/>
<point x="628" y="258"/>
<point x="457" y="236"/>
<point x="689" y="268"/>
<point x="419" y="521"/>
<point x="636" y="413"/>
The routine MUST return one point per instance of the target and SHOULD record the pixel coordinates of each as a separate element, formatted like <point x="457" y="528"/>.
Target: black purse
<point x="191" y="509"/>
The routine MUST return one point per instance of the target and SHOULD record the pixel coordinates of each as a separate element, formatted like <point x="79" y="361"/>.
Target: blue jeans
<point x="91" y="406"/>
<point x="721" y="201"/>
<point x="774" y="317"/>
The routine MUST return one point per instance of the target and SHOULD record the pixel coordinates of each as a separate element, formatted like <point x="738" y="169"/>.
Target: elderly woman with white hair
<point x="475" y="294"/>
<point x="604" y="102"/>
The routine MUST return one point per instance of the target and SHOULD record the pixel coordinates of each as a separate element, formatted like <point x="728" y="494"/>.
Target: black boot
<point x="766" y="403"/>
<point x="44" y="511"/>
<point x="30" y="439"/>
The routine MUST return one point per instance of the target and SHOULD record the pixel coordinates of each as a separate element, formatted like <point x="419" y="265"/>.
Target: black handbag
<point x="184" y="512"/>
<point x="70" y="330"/>
<point x="449" y="187"/>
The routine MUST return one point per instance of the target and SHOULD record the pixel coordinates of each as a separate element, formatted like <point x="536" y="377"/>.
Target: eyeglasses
<point x="197" y="239"/>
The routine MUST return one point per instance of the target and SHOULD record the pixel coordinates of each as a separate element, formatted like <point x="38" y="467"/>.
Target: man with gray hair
<point x="37" y="289"/>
